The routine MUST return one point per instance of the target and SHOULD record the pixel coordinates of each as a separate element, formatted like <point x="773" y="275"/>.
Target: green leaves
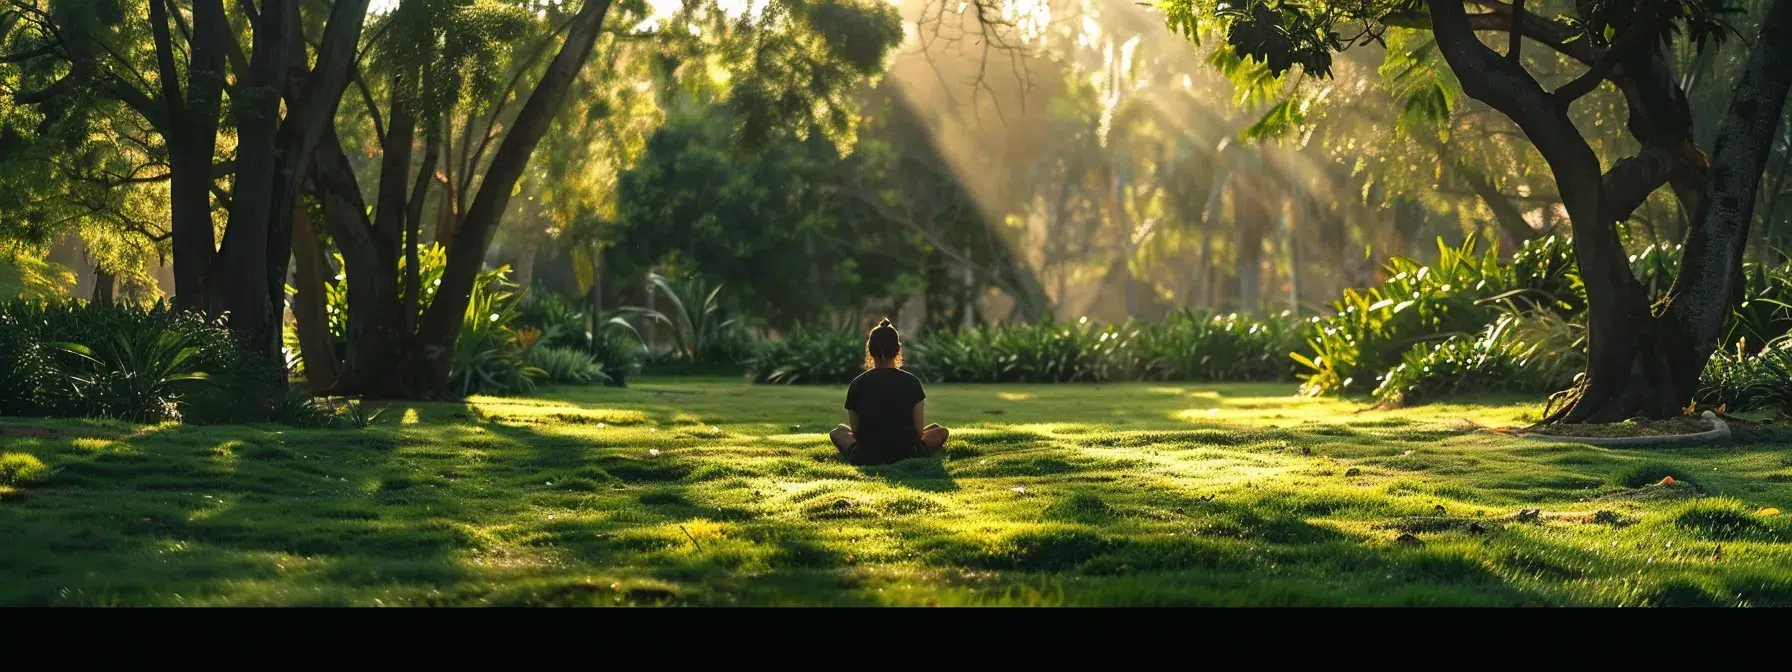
<point x="796" y="64"/>
<point x="445" y="52"/>
<point x="1426" y="108"/>
<point x="1745" y="382"/>
<point x="1281" y="34"/>
<point x="489" y="358"/>
<point x="1187" y="345"/>
<point x="118" y="361"/>
<point x="785" y="228"/>
<point x="1531" y="353"/>
<point x="1283" y="119"/>
<point x="1420" y="79"/>
<point x="1703" y="22"/>
<point x="1371" y="330"/>
<point x="568" y="365"/>
<point x="701" y="330"/>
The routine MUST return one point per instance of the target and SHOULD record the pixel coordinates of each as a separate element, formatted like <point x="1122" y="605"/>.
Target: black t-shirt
<point x="885" y="401"/>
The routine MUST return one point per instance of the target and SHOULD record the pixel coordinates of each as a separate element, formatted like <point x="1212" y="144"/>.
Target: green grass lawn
<point x="704" y="491"/>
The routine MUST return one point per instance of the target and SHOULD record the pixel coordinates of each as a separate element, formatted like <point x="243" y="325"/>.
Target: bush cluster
<point x="75" y="359"/>
<point x="1188" y="345"/>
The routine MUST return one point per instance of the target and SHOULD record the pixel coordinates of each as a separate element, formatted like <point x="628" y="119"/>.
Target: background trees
<point x="1642" y="361"/>
<point x="955" y="165"/>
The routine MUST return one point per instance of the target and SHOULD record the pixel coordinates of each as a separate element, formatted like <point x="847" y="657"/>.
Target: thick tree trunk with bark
<point x="310" y="304"/>
<point x="441" y="322"/>
<point x="1641" y="362"/>
<point x="1711" y="268"/>
<point x="191" y="132"/>
<point x="318" y="93"/>
<point x="105" y="285"/>
<point x="370" y="264"/>
<point x="238" y="282"/>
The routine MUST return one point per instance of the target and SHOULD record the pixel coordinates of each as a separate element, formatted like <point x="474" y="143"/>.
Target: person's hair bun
<point x="884" y="323"/>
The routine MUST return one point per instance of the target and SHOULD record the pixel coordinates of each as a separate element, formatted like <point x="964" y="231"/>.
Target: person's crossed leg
<point x="933" y="437"/>
<point x="842" y="438"/>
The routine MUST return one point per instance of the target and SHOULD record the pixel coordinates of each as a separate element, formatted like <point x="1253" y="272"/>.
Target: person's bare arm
<point x="920" y="416"/>
<point x="852" y="420"/>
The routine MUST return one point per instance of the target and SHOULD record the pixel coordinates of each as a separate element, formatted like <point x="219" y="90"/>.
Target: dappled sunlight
<point x="1100" y="485"/>
<point x="644" y="241"/>
<point x="94" y="445"/>
<point x="226" y="454"/>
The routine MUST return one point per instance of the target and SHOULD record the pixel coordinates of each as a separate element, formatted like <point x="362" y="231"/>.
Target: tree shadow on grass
<point x="432" y="504"/>
<point x="188" y="514"/>
<point x="1216" y="553"/>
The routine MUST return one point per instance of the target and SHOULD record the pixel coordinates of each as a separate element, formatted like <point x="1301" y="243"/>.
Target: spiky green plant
<point x="568" y="365"/>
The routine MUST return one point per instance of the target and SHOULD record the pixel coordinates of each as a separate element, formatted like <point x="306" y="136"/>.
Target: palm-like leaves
<point x="697" y="320"/>
<point x="488" y="357"/>
<point x="137" y="375"/>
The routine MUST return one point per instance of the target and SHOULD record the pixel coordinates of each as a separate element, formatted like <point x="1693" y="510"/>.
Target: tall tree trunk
<point x="1123" y="226"/>
<point x="1505" y="213"/>
<point x="594" y="298"/>
<point x="448" y="216"/>
<point x="1210" y="218"/>
<point x="1249" y="215"/>
<point x="413" y="221"/>
<point x="442" y="320"/>
<point x="1639" y="363"/>
<point x="319" y="92"/>
<point x="240" y="281"/>
<point x="376" y="334"/>
<point x="1409" y="220"/>
<point x="1019" y="281"/>
<point x="1290" y="218"/>
<point x="968" y="296"/>
<point x="524" y="272"/>
<point x="105" y="284"/>
<point x="192" y="137"/>
<point x="1712" y="267"/>
<point x="311" y="304"/>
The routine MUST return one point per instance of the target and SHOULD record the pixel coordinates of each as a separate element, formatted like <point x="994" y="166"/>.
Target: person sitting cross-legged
<point x="885" y="408"/>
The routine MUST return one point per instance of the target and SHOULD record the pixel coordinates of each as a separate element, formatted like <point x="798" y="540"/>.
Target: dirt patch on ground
<point x="1764" y="431"/>
<point x="1670" y="427"/>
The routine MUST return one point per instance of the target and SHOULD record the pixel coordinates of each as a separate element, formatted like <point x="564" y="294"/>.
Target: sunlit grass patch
<point x="712" y="492"/>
